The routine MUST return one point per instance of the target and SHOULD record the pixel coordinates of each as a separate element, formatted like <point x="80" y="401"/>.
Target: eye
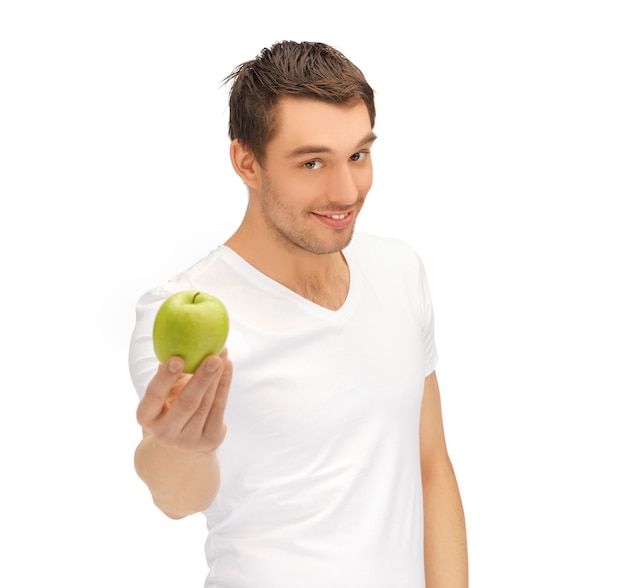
<point x="314" y="164"/>
<point x="359" y="156"/>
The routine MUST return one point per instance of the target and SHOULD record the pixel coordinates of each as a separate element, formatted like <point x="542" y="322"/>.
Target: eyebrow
<point x="315" y="149"/>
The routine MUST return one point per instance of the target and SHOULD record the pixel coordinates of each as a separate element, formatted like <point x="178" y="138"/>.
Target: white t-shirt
<point x="320" y="469"/>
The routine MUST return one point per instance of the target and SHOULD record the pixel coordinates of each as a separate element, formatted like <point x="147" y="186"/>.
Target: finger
<point x="201" y="385"/>
<point x="195" y="424"/>
<point x="151" y="405"/>
<point x="215" y="422"/>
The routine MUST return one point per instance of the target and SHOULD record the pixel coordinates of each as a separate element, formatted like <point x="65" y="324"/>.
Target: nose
<point x="344" y="185"/>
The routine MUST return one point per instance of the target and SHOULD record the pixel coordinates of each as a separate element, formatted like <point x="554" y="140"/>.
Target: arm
<point x="445" y="543"/>
<point x="182" y="417"/>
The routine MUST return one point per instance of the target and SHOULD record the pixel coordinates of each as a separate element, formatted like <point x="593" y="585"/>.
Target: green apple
<point x="190" y="325"/>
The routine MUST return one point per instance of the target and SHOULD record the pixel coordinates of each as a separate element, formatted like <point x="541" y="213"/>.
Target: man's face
<point x="316" y="174"/>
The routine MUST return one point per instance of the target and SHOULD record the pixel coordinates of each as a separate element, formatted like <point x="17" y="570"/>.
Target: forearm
<point x="445" y="542"/>
<point x="181" y="482"/>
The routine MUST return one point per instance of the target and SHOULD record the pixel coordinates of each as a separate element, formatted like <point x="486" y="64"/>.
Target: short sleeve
<point x="142" y="361"/>
<point x="431" y="358"/>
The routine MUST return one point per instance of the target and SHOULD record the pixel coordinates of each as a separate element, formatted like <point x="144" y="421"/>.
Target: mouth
<point x="337" y="220"/>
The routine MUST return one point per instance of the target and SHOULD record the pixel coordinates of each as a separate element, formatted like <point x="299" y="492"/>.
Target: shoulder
<point x="194" y="277"/>
<point x="390" y="252"/>
<point x="390" y="263"/>
<point x="199" y="276"/>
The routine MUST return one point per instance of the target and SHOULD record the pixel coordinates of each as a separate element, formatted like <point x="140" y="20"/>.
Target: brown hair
<point x="308" y="70"/>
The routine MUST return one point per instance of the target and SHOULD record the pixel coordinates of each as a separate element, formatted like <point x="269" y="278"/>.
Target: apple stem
<point x="194" y="297"/>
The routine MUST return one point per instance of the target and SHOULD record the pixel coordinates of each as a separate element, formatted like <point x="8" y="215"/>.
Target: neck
<point x="321" y="278"/>
<point x="329" y="292"/>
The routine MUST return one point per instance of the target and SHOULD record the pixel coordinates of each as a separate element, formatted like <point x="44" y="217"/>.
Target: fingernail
<point x="174" y="365"/>
<point x="211" y="365"/>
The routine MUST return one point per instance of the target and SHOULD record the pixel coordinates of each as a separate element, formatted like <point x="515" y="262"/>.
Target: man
<point x="334" y="470"/>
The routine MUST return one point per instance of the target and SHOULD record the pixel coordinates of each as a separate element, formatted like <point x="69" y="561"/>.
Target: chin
<point x="339" y="243"/>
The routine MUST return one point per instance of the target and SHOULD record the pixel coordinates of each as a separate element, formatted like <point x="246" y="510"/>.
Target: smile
<point x="336" y="221"/>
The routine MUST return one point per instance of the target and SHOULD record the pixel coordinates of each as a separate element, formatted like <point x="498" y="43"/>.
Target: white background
<point x="501" y="158"/>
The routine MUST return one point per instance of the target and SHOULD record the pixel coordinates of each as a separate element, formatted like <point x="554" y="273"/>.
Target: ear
<point x="244" y="163"/>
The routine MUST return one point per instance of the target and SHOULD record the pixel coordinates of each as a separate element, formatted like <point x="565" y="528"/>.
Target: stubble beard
<point x="284" y="226"/>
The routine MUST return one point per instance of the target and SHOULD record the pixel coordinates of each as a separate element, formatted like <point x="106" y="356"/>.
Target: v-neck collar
<point x="263" y="281"/>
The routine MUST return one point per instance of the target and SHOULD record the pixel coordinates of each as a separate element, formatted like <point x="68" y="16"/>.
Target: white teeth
<point x="338" y="216"/>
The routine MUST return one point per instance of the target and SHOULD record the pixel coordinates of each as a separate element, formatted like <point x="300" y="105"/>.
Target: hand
<point x="184" y="411"/>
